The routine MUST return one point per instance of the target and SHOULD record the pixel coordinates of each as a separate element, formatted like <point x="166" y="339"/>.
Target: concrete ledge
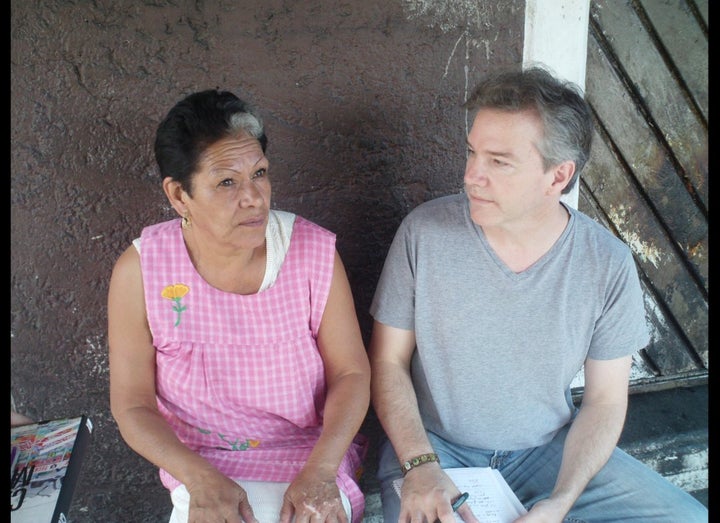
<point x="373" y="508"/>
<point x="681" y="458"/>
<point x="668" y="431"/>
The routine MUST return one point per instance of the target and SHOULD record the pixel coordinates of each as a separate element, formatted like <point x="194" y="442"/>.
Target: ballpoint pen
<point x="459" y="501"/>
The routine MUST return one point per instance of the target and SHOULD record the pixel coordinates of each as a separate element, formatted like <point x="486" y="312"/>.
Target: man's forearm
<point x="395" y="404"/>
<point x="591" y="440"/>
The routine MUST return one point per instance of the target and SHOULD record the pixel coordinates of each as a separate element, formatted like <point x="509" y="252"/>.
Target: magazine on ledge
<point x="45" y="461"/>
<point x="491" y="498"/>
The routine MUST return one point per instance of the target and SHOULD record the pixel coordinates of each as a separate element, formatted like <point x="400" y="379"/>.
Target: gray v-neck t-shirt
<point x="497" y="350"/>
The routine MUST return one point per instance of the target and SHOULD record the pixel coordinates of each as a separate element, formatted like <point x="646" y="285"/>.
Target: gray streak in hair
<point x="247" y="122"/>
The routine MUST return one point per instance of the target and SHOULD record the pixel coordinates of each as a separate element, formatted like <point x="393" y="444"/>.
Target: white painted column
<point x="556" y="33"/>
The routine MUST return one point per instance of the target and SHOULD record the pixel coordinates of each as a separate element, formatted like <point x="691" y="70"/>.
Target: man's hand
<point x="427" y="496"/>
<point x="544" y="511"/>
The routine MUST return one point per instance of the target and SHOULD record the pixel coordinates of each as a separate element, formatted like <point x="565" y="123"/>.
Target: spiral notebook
<point x="491" y="498"/>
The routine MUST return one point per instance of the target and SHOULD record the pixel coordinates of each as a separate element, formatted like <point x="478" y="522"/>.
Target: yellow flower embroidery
<point x="175" y="293"/>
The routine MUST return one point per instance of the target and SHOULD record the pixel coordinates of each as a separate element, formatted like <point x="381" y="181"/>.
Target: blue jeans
<point x="624" y="490"/>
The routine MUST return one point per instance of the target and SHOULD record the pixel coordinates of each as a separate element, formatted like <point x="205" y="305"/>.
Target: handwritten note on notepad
<point x="491" y="498"/>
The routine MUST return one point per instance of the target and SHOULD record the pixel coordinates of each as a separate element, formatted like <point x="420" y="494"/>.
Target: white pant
<point x="265" y="497"/>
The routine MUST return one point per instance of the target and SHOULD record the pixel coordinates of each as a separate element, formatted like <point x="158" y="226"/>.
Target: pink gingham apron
<point x="239" y="377"/>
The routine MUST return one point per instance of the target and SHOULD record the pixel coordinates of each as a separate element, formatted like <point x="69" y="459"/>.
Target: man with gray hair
<point x="489" y="304"/>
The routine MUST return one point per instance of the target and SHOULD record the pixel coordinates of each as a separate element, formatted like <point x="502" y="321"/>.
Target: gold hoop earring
<point x="186" y="222"/>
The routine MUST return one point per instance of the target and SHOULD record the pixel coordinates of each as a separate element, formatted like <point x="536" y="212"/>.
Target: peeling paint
<point x="452" y="53"/>
<point x="638" y="371"/>
<point x="449" y="14"/>
<point x="468" y="16"/>
<point x="646" y="251"/>
<point x="654" y="317"/>
<point x="97" y="354"/>
<point x="691" y="471"/>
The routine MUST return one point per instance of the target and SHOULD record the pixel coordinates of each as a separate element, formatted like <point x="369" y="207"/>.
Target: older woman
<point x="237" y="366"/>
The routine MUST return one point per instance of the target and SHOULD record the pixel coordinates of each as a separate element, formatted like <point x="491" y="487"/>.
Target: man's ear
<point x="562" y="174"/>
<point x="176" y="195"/>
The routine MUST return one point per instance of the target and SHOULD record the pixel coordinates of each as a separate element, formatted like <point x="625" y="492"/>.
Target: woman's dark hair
<point x="195" y="123"/>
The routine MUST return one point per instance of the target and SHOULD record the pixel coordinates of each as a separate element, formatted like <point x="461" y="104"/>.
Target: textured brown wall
<point x="362" y="108"/>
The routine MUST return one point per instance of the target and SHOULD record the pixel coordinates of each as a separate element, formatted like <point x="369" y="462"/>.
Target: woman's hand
<point x="313" y="496"/>
<point x="218" y="499"/>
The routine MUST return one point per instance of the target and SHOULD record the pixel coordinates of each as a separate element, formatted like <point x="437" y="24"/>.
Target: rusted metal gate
<point x="647" y="180"/>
